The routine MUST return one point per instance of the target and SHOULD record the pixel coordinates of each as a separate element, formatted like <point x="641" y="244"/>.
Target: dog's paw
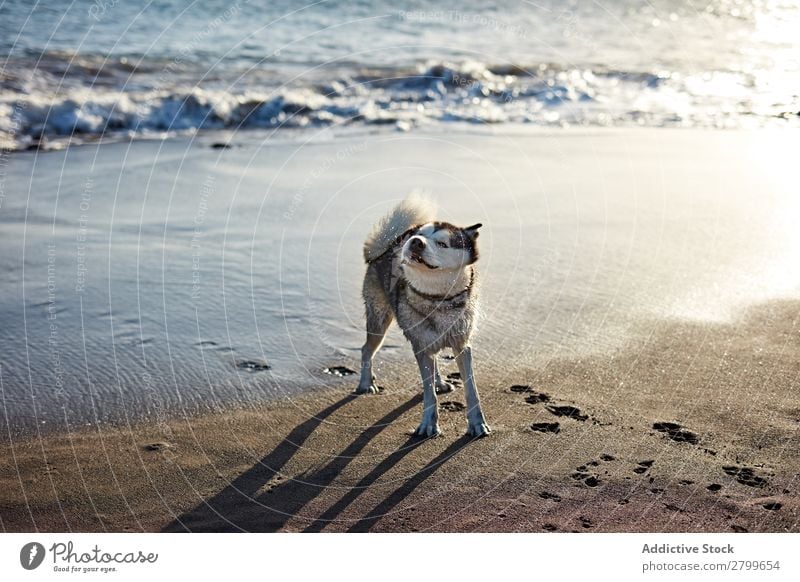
<point x="428" y="428"/>
<point x="369" y="389"/>
<point x="478" y="429"/>
<point x="444" y="387"/>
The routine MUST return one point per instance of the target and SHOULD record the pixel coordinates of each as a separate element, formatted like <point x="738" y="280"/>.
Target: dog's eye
<point x="441" y="244"/>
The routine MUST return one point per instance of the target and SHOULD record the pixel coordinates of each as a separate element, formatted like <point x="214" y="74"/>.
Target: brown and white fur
<point x="421" y="273"/>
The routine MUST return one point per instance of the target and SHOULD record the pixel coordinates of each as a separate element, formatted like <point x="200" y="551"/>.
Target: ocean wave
<point x="75" y="99"/>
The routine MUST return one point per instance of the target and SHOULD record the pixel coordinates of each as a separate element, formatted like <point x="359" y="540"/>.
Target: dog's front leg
<point x="429" y="426"/>
<point x="476" y="424"/>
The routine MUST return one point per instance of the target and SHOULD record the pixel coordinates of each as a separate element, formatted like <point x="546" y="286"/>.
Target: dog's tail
<point x="414" y="210"/>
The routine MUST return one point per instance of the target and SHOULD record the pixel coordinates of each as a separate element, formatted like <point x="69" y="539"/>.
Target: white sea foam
<point x="404" y="97"/>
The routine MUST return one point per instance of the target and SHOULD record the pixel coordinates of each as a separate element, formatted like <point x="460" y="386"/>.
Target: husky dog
<point x="420" y="272"/>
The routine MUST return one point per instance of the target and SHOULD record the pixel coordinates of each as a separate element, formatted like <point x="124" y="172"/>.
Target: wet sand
<point x="637" y="354"/>
<point x="161" y="279"/>
<point x="692" y="428"/>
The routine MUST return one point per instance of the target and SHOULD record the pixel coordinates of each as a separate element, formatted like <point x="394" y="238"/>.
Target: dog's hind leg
<point x="442" y="386"/>
<point x="378" y="322"/>
<point x="476" y="424"/>
<point x="429" y="426"/>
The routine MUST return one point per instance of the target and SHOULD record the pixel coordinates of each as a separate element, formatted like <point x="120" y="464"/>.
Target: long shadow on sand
<point x="243" y="506"/>
<point x="366" y="523"/>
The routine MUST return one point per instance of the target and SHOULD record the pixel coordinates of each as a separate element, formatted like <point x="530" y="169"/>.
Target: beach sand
<point x="347" y="463"/>
<point x="637" y="358"/>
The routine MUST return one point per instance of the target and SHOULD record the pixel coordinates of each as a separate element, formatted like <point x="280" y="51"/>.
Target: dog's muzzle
<point x="416" y="247"/>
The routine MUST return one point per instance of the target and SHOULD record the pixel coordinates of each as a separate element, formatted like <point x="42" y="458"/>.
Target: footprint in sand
<point x="447" y="387"/>
<point x="586" y="522"/>
<point x="567" y="411"/>
<point x="452" y="406"/>
<point x="552" y="427"/>
<point x="589" y="479"/>
<point x="745" y="476"/>
<point x="550" y="496"/>
<point x="339" y="371"/>
<point x="253" y="365"/>
<point x="533" y="397"/>
<point x="676" y="432"/>
<point x="537" y="398"/>
<point x="159" y="446"/>
<point x="643" y="467"/>
<point x="549" y="527"/>
<point x="714" y="487"/>
<point x="772" y="505"/>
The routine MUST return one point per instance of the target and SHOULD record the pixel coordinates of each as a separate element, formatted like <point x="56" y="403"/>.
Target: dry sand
<point x="729" y="461"/>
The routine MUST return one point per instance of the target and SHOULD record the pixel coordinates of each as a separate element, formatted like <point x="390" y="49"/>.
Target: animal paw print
<point x="586" y="475"/>
<point x="746" y="476"/>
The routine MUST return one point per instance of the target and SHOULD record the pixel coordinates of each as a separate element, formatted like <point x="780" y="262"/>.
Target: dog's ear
<point x="472" y="231"/>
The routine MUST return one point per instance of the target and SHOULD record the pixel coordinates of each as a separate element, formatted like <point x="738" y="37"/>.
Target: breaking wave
<point x="74" y="100"/>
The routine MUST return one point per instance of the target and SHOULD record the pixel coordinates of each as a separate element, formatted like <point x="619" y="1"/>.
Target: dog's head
<point x="441" y="245"/>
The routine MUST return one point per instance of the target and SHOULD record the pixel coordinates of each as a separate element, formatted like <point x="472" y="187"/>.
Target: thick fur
<point x="415" y="209"/>
<point x="421" y="273"/>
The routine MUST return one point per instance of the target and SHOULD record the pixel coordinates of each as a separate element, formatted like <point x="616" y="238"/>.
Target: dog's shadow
<point x="256" y="502"/>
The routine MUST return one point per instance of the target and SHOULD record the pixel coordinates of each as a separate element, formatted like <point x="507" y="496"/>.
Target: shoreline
<point x="223" y="140"/>
<point x="588" y="233"/>
<point x="695" y="429"/>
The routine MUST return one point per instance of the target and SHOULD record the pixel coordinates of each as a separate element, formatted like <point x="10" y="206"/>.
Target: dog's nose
<point x="417" y="245"/>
